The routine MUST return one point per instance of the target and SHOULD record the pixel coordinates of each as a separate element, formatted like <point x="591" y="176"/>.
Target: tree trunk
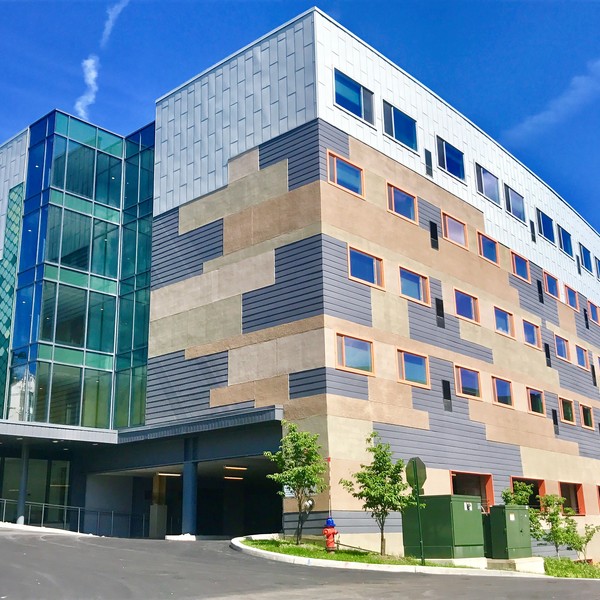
<point x="299" y="524"/>
<point x="382" y="544"/>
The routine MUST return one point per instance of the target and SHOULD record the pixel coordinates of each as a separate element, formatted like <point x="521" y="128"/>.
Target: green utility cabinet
<point x="509" y="533"/>
<point x="452" y="527"/>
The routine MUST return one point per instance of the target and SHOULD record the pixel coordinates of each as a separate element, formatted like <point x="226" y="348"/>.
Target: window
<point x="538" y="489"/>
<point x="520" y="267"/>
<point x="567" y="411"/>
<point x="414" y="286"/>
<point x="399" y="125"/>
<point x="573" y="495"/>
<point x="515" y="203"/>
<point x="551" y="284"/>
<point x="455" y="230"/>
<point x="504" y="322"/>
<point x="474" y="484"/>
<point x="467" y="382"/>
<point x="564" y="241"/>
<point x="488" y="248"/>
<point x="597" y="260"/>
<point x="413" y="368"/>
<point x="353" y="97"/>
<point x="586" y="258"/>
<point x="487" y="184"/>
<point x="582" y="358"/>
<point x="366" y="268"/>
<point x="562" y="347"/>
<point x="467" y="306"/>
<point x="571" y="298"/>
<point x="536" y="401"/>
<point x="345" y="174"/>
<point x="545" y="226"/>
<point x="502" y="391"/>
<point x="450" y="159"/>
<point x="594" y="313"/>
<point x="532" y="334"/>
<point x="402" y="204"/>
<point x="587" y="416"/>
<point x="354" y="354"/>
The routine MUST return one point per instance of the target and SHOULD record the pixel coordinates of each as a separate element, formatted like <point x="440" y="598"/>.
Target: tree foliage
<point x="380" y="485"/>
<point x="301" y="469"/>
<point x="557" y="526"/>
<point x="520" y="494"/>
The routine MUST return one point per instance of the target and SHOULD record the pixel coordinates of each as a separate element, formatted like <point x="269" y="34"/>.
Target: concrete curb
<point x="237" y="544"/>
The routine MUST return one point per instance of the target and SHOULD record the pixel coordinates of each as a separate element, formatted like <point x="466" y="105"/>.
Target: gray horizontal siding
<point x="305" y="149"/>
<point x="528" y="295"/>
<point x="328" y="381"/>
<point x="429" y="212"/>
<point x="590" y="335"/>
<point x="453" y="440"/>
<point x="176" y="257"/>
<point x="346" y="521"/>
<point x="179" y="389"/>
<point x="311" y="278"/>
<point x="423" y="327"/>
<point x="542" y="549"/>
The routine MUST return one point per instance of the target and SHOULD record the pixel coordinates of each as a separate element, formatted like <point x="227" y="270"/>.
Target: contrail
<point x="90" y="75"/>
<point x="91" y="65"/>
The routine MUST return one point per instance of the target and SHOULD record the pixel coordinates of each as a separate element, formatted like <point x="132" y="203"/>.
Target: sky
<point x="526" y="72"/>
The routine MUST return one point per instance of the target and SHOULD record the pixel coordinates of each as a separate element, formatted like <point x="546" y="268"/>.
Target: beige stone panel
<point x="390" y="312"/>
<point x="276" y="357"/>
<point x="201" y="325"/>
<point x="344" y="469"/>
<point x="566" y="318"/>
<point x="385" y="361"/>
<point x="231" y="394"/>
<point x="301" y="408"/>
<point x="591" y="499"/>
<point x="394" y="544"/>
<point x="255" y="337"/>
<point x="272" y="218"/>
<point x="268" y="392"/>
<point x="395" y="415"/>
<point x="231" y="280"/>
<point x="386" y="391"/>
<point x="242" y="165"/>
<point x="438" y="482"/>
<point x="593" y="550"/>
<point x="552" y="487"/>
<point x="559" y="466"/>
<point x="252" y="189"/>
<point x="376" y="189"/>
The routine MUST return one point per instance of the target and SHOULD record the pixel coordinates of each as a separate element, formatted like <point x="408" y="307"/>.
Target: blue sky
<point x="527" y="73"/>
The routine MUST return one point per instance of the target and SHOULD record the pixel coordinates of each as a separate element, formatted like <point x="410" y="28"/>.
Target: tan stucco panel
<point x="264" y="392"/>
<point x="559" y="466"/>
<point x="438" y="482"/>
<point x="242" y="165"/>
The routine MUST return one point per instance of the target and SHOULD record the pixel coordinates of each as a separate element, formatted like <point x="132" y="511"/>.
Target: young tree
<point x="520" y="494"/>
<point x="557" y="526"/>
<point x="301" y="469"/>
<point x="579" y="541"/>
<point x="380" y="485"/>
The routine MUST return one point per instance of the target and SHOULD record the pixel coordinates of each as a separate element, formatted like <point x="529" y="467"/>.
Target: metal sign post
<point x="416" y="474"/>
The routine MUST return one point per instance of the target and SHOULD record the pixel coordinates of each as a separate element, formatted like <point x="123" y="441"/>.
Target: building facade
<point x="308" y="233"/>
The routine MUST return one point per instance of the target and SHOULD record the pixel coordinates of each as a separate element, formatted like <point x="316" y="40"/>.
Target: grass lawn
<point x="315" y="550"/>
<point x="565" y="567"/>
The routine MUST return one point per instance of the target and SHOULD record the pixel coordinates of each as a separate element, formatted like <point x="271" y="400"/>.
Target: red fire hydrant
<point x="329" y="531"/>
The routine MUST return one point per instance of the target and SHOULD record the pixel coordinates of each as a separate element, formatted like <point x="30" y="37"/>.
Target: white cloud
<point x="582" y="89"/>
<point x="112" y="14"/>
<point x="90" y="66"/>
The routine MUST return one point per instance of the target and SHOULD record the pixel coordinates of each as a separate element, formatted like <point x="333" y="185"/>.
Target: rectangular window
<point x="366" y="268"/>
<point x="345" y="174"/>
<point x="564" y="241"/>
<point x="532" y="334"/>
<point x="467" y="306"/>
<point x="515" y="203"/>
<point x="594" y="313"/>
<point x="562" y="347"/>
<point x="455" y="230"/>
<point x="504" y="322"/>
<point x="450" y="159"/>
<point x="402" y="204"/>
<point x="467" y="382"/>
<point x="487" y="184"/>
<point x="354" y="354"/>
<point x="414" y="286"/>
<point x="597" y="260"/>
<point x="571" y="298"/>
<point x="538" y="489"/>
<point x="488" y="248"/>
<point x="573" y="495"/>
<point x="413" y="368"/>
<point x="567" y="410"/>
<point x="474" y="484"/>
<point x="582" y="358"/>
<point x="536" y="401"/>
<point x="586" y="258"/>
<point x="587" y="416"/>
<point x="502" y="391"/>
<point x="353" y="97"/>
<point x="545" y="226"/>
<point x="520" y="267"/>
<point x="399" y="126"/>
<point x="551" y="284"/>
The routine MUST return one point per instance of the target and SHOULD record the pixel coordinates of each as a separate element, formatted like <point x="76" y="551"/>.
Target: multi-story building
<point x="331" y="243"/>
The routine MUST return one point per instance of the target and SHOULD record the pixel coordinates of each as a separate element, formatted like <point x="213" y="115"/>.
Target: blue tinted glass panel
<point x="96" y="398"/>
<point x="521" y="267"/>
<point x="37" y="132"/>
<point x="105" y="249"/>
<point x="564" y="240"/>
<point x="80" y="169"/>
<point x="23" y="310"/>
<point x="411" y="284"/>
<point x="503" y="321"/>
<point x="70" y="316"/>
<point x="108" y="180"/>
<point x="66" y="395"/>
<point x="489" y="249"/>
<point x="35" y="169"/>
<point x="581" y="357"/>
<point x="469" y="382"/>
<point x="571" y="297"/>
<point x="551" y="285"/>
<point x="562" y="347"/>
<point x="59" y="160"/>
<point x="487" y="184"/>
<point x="586" y="258"/>
<point x="363" y="266"/>
<point x="515" y="204"/>
<point x="82" y="132"/>
<point x="405" y="129"/>
<point x="531" y="333"/>
<point x="101" y="322"/>
<point x="348" y="94"/>
<point x="503" y="391"/>
<point x="402" y="203"/>
<point x="76" y="233"/>
<point x="48" y="311"/>
<point x="357" y="354"/>
<point x="451" y="159"/>
<point x="29" y="241"/>
<point x="545" y="226"/>
<point x="348" y="176"/>
<point x="415" y="368"/>
<point x="465" y="305"/>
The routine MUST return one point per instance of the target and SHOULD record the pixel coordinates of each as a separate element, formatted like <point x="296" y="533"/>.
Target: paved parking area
<point x="40" y="566"/>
